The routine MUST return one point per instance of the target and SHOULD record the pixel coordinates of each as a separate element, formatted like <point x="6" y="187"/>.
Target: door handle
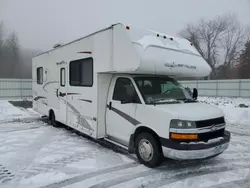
<point x="110" y="105"/>
<point x="57" y="92"/>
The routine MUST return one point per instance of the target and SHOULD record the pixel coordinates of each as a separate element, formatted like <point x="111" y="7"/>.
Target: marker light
<point x="127" y="27"/>
<point x="85" y="52"/>
<point x="184" y="136"/>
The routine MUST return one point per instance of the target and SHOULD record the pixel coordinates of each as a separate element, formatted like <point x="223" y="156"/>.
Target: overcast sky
<point x="42" y="23"/>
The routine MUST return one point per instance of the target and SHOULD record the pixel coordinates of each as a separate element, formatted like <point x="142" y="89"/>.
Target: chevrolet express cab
<point x="119" y="85"/>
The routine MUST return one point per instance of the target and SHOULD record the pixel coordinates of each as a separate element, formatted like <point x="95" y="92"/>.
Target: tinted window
<point x="81" y="72"/>
<point x="39" y="75"/>
<point x="125" y="91"/>
<point x="62" y="77"/>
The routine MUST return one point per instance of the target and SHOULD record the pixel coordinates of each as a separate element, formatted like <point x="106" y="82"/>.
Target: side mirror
<point x="195" y="93"/>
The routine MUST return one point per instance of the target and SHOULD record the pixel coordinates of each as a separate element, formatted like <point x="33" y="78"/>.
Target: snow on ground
<point x="9" y="113"/>
<point x="34" y="154"/>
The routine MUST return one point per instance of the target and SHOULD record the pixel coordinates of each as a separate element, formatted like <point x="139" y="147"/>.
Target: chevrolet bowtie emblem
<point x="213" y="128"/>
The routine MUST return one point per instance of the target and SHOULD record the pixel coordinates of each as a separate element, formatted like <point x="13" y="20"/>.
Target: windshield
<point x="157" y="90"/>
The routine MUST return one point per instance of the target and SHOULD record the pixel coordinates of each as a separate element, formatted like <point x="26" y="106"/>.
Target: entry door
<point x="62" y="93"/>
<point x="120" y="115"/>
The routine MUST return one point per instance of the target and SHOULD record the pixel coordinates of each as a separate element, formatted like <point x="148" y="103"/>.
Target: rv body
<point x="118" y="84"/>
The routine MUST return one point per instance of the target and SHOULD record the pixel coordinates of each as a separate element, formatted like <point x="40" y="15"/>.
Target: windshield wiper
<point x="164" y="101"/>
<point x="188" y="100"/>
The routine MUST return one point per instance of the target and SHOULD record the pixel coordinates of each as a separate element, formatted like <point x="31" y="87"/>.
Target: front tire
<point x="148" y="150"/>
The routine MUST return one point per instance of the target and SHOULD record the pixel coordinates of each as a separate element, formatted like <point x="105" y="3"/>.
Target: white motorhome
<point x="118" y="84"/>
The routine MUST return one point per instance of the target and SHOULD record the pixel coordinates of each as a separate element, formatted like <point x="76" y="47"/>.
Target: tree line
<point x="15" y="62"/>
<point x="224" y="43"/>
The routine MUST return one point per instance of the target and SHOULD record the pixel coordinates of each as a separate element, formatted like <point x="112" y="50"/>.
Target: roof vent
<point x="57" y="45"/>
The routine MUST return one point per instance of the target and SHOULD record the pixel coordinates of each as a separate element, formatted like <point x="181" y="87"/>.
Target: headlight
<point x="182" y="124"/>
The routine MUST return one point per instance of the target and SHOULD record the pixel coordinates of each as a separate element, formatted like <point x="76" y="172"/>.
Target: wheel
<point x="52" y="119"/>
<point x="148" y="150"/>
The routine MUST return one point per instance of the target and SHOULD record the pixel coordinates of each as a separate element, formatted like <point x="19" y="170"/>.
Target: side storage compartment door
<point x="121" y="109"/>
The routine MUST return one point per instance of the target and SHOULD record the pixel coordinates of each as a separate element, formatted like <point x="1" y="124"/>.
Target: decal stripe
<point x="64" y="94"/>
<point x="85" y="52"/>
<point x="125" y="116"/>
<point x="85" y="100"/>
<point x="39" y="97"/>
<point x="47" y="83"/>
<point x="73" y="93"/>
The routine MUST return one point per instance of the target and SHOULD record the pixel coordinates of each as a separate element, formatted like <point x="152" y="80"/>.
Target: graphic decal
<point x="45" y="103"/>
<point x="64" y="94"/>
<point x="85" y="100"/>
<point x="39" y="97"/>
<point x="47" y="83"/>
<point x="81" y="120"/>
<point x="125" y="116"/>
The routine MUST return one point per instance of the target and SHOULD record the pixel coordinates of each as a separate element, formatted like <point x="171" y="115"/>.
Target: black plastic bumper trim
<point x="178" y="146"/>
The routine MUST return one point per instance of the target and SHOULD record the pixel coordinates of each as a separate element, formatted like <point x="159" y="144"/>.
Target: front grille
<point x="210" y="122"/>
<point x="211" y="135"/>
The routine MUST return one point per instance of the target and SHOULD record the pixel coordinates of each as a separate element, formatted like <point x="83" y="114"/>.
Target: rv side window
<point x="39" y="75"/>
<point x="81" y="72"/>
<point x="125" y="91"/>
<point x="62" y="77"/>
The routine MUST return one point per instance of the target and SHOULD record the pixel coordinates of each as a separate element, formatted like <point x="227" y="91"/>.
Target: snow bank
<point x="236" y="110"/>
<point x="9" y="112"/>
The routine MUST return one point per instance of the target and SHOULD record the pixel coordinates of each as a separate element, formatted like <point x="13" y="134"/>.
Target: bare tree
<point x="212" y="36"/>
<point x="1" y="41"/>
<point x="15" y="62"/>
<point x="244" y="66"/>
<point x="13" y="54"/>
<point x="232" y="42"/>
<point x="248" y="32"/>
<point x="2" y="50"/>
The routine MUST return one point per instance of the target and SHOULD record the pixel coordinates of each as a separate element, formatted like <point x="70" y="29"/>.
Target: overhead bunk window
<point x="81" y="72"/>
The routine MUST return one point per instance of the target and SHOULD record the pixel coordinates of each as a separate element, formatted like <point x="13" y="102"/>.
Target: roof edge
<point x="104" y="29"/>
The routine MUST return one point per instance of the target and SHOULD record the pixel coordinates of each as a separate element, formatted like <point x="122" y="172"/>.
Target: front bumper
<point x="191" y="151"/>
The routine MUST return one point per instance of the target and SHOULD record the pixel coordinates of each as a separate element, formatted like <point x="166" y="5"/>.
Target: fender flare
<point x="131" y="145"/>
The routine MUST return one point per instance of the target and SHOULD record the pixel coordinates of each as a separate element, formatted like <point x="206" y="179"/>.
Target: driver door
<point x="120" y="115"/>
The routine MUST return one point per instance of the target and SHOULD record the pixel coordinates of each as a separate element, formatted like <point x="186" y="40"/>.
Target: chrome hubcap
<point x="146" y="150"/>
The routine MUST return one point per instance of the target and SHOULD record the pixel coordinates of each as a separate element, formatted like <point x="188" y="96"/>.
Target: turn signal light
<point x="184" y="136"/>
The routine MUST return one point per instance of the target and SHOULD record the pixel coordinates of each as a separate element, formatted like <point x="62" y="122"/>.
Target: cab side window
<point x="125" y="92"/>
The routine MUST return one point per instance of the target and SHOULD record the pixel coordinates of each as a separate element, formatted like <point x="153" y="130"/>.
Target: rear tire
<point x="52" y="119"/>
<point x="148" y="150"/>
